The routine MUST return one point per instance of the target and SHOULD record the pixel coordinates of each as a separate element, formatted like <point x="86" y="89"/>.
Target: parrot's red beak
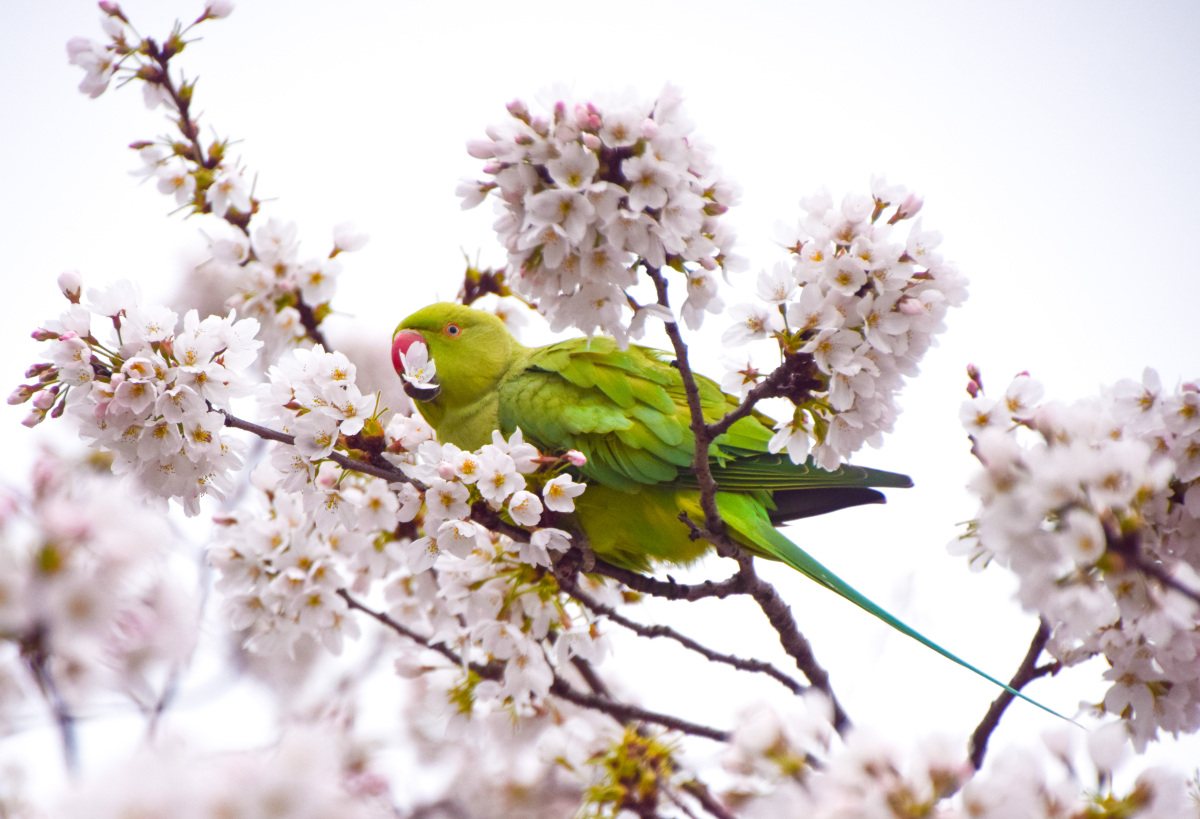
<point x="400" y="344"/>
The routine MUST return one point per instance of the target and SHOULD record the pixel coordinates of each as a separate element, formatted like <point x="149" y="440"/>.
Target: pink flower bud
<point x="446" y="471"/>
<point x="591" y="142"/>
<point x="44" y="400"/>
<point x="519" y="109"/>
<point x="582" y="117"/>
<point x="481" y="148"/>
<point x="910" y="306"/>
<point x="112" y="10"/>
<point x="218" y="9"/>
<point x="21" y="394"/>
<point x="41" y="334"/>
<point x="910" y="207"/>
<point x="70" y="283"/>
<point x="649" y="128"/>
<point x="575" y="457"/>
<point x="34" y="418"/>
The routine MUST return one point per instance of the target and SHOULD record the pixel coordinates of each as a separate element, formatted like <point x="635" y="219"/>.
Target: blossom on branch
<point x="148" y="391"/>
<point x="1094" y="506"/>
<point x="594" y="190"/>
<point x="870" y="304"/>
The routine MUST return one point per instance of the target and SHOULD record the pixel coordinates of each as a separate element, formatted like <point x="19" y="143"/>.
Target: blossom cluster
<point x="593" y="190"/>
<point x="313" y="396"/>
<point x="496" y="474"/>
<point x="320" y="531"/>
<point x="1095" y="506"/>
<point x="145" y="389"/>
<point x="269" y="280"/>
<point x="88" y="599"/>
<point x="793" y="765"/>
<point x="288" y="295"/>
<point x="861" y="303"/>
<point x="207" y="184"/>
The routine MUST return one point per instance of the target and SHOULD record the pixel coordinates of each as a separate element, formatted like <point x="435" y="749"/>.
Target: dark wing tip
<point x="792" y="504"/>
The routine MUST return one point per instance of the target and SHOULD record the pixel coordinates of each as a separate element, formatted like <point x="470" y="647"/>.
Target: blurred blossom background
<point x="1054" y="145"/>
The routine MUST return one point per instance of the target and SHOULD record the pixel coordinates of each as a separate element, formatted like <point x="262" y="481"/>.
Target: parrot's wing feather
<point x="617" y="407"/>
<point x="752" y="525"/>
<point x="626" y="410"/>
<point x="757" y="470"/>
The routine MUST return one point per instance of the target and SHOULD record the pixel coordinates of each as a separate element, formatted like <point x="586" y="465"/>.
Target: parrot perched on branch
<point x="626" y="411"/>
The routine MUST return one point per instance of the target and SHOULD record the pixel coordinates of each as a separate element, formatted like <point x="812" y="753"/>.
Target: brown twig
<point x="388" y="474"/>
<point x="160" y="75"/>
<point x="1026" y="673"/>
<point x="777" y="612"/>
<point x="700" y="793"/>
<point x="559" y="687"/>
<point x="652" y="632"/>
<point x="708" y="485"/>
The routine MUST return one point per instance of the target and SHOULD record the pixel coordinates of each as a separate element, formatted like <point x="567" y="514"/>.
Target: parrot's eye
<point x="452" y="330"/>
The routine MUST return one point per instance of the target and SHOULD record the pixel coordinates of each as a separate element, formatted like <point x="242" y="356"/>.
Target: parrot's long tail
<point x="750" y="520"/>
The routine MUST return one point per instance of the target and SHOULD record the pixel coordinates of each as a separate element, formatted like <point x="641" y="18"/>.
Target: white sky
<point x="1055" y="145"/>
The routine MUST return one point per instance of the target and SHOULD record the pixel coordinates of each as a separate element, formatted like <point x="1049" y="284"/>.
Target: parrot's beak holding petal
<point x="409" y="350"/>
<point x="422" y="393"/>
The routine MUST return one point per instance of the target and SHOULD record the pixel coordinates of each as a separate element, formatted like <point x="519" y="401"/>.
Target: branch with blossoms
<point x="612" y="215"/>
<point x="1095" y="507"/>
<point x="270" y="282"/>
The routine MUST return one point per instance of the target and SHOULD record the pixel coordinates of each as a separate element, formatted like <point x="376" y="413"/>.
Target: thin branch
<point x="708" y="486"/>
<point x="391" y="475"/>
<point x="190" y="129"/>
<point x="629" y="713"/>
<point x="560" y="687"/>
<point x="651" y="632"/>
<point x="669" y="589"/>
<point x="777" y="612"/>
<point x="769" y="387"/>
<point x="1137" y="561"/>
<point x="450" y="654"/>
<point x="1026" y="673"/>
<point x="36" y="651"/>
<point x="699" y="791"/>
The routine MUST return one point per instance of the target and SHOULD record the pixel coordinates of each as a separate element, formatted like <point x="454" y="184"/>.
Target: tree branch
<point x="699" y="792"/>
<point x="35" y="650"/>
<point x="391" y="475"/>
<point x="669" y="589"/>
<point x="560" y="688"/>
<point x="1026" y="673"/>
<point x="777" y="612"/>
<point x="651" y="632"/>
<point x="708" y="486"/>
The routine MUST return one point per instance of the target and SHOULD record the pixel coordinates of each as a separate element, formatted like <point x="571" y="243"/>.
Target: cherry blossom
<point x="574" y="235"/>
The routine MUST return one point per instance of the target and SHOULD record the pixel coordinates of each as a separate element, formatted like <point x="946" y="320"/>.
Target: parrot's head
<point x="469" y="349"/>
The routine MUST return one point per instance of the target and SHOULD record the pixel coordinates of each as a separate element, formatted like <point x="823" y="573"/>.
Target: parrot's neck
<point x="466" y="424"/>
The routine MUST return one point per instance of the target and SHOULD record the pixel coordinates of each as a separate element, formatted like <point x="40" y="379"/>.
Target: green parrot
<point x="626" y="411"/>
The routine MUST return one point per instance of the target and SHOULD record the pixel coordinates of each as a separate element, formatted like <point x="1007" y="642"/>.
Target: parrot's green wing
<point x="626" y="410"/>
